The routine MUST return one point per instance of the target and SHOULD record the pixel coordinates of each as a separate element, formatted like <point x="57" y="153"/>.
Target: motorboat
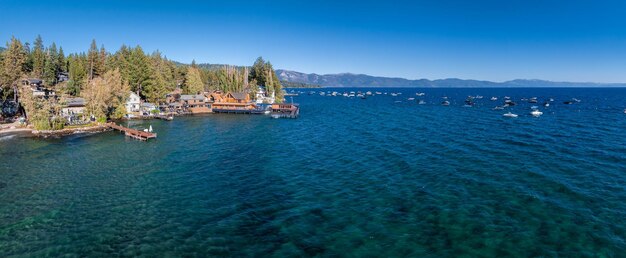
<point x="421" y="102"/>
<point x="420" y="94"/>
<point x="369" y="93"/>
<point x="445" y="103"/>
<point x="532" y="100"/>
<point x="394" y="94"/>
<point x="411" y="99"/>
<point x="498" y="108"/>
<point x="509" y="115"/>
<point x="536" y="113"/>
<point x="494" y="98"/>
<point x="547" y="104"/>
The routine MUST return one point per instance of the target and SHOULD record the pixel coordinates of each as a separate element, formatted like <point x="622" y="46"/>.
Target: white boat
<point x="494" y="98"/>
<point x="378" y="93"/>
<point x="498" y="108"/>
<point x="445" y="103"/>
<point x="536" y="113"/>
<point x="369" y="93"/>
<point x="509" y="115"/>
<point x="393" y="94"/>
<point x="624" y="111"/>
<point x="411" y="99"/>
<point x="421" y="102"/>
<point x="420" y="94"/>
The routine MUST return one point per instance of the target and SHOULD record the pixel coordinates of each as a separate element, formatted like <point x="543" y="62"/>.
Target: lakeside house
<point x="147" y="109"/>
<point x="36" y="86"/>
<point x="234" y="102"/>
<point x="73" y="110"/>
<point x="263" y="98"/>
<point x="195" y="104"/>
<point x="133" y="103"/>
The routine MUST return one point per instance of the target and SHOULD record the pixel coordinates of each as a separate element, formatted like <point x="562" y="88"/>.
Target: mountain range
<point x="363" y="80"/>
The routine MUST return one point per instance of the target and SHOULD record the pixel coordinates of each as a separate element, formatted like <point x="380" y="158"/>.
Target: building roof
<point x="192" y="97"/>
<point x="76" y="102"/>
<point x="238" y="95"/>
<point x="34" y="80"/>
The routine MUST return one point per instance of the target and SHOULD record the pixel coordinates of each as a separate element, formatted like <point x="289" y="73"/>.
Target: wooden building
<point x="233" y="102"/>
<point x="195" y="104"/>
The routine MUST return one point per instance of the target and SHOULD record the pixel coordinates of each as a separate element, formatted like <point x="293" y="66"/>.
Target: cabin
<point x="148" y="108"/>
<point x="195" y="104"/>
<point x="234" y="102"/>
<point x="133" y="103"/>
<point x="36" y="86"/>
<point x="73" y="110"/>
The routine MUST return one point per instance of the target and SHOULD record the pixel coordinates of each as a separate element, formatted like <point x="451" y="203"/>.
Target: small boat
<point x="532" y="100"/>
<point x="509" y="102"/>
<point x="536" y="113"/>
<point x="411" y="99"/>
<point x="420" y="94"/>
<point x="498" y="108"/>
<point x="547" y="104"/>
<point x="478" y="97"/>
<point x="421" y="102"/>
<point x="445" y="103"/>
<point x="507" y="97"/>
<point x="534" y="107"/>
<point x="551" y="100"/>
<point x="568" y="102"/>
<point x="624" y="111"/>
<point x="393" y="94"/>
<point x="576" y="100"/>
<point x="378" y="93"/>
<point x="369" y="93"/>
<point x="494" y="98"/>
<point x="509" y="115"/>
<point x="360" y="95"/>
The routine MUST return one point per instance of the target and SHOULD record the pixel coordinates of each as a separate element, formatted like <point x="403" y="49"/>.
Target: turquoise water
<point x="350" y="177"/>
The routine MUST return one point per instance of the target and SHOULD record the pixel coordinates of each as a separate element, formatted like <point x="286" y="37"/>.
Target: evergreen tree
<point x="95" y="61"/>
<point x="39" y="58"/>
<point x="14" y="58"/>
<point x="51" y="67"/>
<point x="78" y="74"/>
<point x="61" y="61"/>
<point x="193" y="83"/>
<point x="138" y="70"/>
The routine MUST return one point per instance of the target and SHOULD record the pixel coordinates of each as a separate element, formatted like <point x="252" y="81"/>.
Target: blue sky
<point x="488" y="40"/>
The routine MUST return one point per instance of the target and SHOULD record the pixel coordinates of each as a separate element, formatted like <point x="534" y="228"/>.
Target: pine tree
<point x="193" y="82"/>
<point x="93" y="61"/>
<point x="14" y="58"/>
<point x="51" y="67"/>
<point x="39" y="58"/>
<point x="61" y="61"/>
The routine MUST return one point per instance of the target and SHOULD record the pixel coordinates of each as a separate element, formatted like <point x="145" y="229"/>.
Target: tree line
<point x="100" y="76"/>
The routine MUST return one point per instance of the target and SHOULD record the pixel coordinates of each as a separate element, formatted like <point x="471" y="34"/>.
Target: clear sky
<point x="565" y="40"/>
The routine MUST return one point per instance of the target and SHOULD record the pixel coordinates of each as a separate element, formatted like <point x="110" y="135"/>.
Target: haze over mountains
<point x="362" y="80"/>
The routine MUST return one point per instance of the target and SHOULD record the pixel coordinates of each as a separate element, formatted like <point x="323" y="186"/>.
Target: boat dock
<point x="139" y="135"/>
<point x="285" y="110"/>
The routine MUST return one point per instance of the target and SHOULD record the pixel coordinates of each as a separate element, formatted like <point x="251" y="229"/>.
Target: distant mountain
<point x="362" y="80"/>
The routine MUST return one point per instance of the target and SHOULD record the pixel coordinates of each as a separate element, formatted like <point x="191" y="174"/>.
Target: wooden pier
<point x="139" y="135"/>
<point x="285" y="110"/>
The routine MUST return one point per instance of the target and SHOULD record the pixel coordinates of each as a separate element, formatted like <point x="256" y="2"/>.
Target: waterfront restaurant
<point x="234" y="102"/>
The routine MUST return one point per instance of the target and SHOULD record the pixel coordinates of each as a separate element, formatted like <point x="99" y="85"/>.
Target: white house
<point x="133" y="103"/>
<point x="263" y="98"/>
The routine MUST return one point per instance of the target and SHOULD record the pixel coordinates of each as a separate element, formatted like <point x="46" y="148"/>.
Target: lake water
<point x="350" y="177"/>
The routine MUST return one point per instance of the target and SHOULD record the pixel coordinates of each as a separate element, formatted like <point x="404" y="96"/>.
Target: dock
<point x="285" y="110"/>
<point x="133" y="133"/>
